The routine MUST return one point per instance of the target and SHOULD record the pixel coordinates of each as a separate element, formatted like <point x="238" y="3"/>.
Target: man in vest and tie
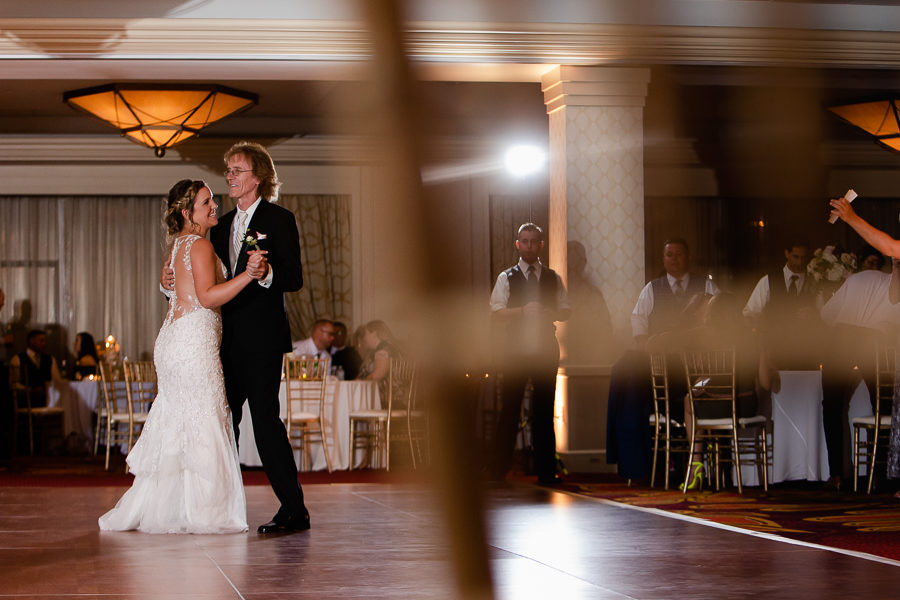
<point x="528" y="299"/>
<point x="665" y="304"/>
<point x="782" y="309"/>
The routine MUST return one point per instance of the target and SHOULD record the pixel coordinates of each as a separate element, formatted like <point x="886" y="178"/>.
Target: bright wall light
<point x="524" y="160"/>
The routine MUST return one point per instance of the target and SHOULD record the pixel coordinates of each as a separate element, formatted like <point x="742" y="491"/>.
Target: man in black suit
<point x="255" y="330"/>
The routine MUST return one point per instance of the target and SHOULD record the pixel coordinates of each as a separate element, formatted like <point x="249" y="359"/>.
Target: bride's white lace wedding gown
<point x="187" y="474"/>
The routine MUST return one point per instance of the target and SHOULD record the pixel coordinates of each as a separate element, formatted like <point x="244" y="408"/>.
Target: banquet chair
<point x="141" y="390"/>
<point x="665" y="429"/>
<point x="305" y="378"/>
<point x="877" y="426"/>
<point x="373" y="430"/>
<point x="711" y="381"/>
<point x="117" y="421"/>
<point x="25" y="405"/>
<point x="417" y="424"/>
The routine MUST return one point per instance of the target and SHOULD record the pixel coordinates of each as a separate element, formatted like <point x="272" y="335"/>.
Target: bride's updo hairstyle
<point x="181" y="197"/>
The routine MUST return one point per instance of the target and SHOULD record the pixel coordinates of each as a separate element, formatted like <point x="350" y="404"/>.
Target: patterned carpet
<point x="798" y="510"/>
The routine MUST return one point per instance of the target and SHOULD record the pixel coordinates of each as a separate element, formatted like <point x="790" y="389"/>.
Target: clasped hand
<point x="257" y="265"/>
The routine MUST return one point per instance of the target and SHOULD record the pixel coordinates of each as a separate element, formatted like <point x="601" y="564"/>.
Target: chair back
<point x="659" y="382"/>
<point x="710" y="376"/>
<point x="885" y="359"/>
<point x="140" y="387"/>
<point x="401" y="384"/>
<point x="305" y="378"/>
<point x="112" y="384"/>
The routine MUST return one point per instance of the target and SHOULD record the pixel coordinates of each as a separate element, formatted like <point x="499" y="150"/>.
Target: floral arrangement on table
<point x="826" y="266"/>
<point x="828" y="270"/>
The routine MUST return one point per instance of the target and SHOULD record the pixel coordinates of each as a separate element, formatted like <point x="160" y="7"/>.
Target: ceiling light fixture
<point x="159" y="116"/>
<point x="879" y="119"/>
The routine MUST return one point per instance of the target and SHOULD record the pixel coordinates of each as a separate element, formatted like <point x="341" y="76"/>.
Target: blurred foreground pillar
<point x="596" y="117"/>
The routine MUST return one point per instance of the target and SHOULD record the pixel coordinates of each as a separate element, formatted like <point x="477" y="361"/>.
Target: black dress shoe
<point x="285" y="526"/>
<point x="551" y="480"/>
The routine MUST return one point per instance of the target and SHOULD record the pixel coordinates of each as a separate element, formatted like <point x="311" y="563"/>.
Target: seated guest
<point x="722" y="328"/>
<point x="344" y="356"/>
<point x="34" y="369"/>
<point x="669" y="302"/>
<point x="86" y="359"/>
<point x="380" y="347"/>
<point x="319" y="342"/>
<point x="870" y="259"/>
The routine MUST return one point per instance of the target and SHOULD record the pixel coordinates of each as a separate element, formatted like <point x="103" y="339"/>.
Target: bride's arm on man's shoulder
<point x="203" y="265"/>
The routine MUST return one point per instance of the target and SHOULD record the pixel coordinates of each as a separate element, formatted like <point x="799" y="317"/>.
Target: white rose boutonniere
<point x="253" y="239"/>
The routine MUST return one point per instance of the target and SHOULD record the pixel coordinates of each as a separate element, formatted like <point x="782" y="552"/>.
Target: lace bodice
<point x="183" y="300"/>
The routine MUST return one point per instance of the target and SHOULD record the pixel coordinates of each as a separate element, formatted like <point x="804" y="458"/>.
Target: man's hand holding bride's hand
<point x="167" y="277"/>
<point x="257" y="265"/>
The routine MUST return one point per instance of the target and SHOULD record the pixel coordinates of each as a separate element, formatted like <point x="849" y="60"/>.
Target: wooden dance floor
<point x="386" y="541"/>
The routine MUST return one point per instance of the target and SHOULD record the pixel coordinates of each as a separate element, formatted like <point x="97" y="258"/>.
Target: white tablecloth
<point x="341" y="397"/>
<point x="79" y="401"/>
<point x="799" y="450"/>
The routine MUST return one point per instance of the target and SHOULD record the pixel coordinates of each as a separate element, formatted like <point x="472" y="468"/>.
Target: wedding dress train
<point x="185" y="463"/>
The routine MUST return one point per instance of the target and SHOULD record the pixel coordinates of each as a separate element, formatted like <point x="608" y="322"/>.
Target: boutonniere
<point x="252" y="240"/>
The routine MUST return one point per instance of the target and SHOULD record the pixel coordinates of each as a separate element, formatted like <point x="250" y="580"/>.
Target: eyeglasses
<point x="235" y="171"/>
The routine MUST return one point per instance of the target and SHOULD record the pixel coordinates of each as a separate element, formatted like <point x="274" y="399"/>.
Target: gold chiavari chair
<point x="373" y="430"/>
<point x="305" y="379"/>
<point x="665" y="429"/>
<point x="878" y="426"/>
<point x="141" y="390"/>
<point x="117" y="421"/>
<point x="30" y="402"/>
<point x="711" y="381"/>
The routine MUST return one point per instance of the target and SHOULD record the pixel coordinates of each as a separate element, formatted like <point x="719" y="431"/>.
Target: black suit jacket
<point x="256" y="318"/>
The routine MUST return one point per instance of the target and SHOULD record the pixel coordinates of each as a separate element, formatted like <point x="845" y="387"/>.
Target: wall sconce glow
<point x="524" y="160"/>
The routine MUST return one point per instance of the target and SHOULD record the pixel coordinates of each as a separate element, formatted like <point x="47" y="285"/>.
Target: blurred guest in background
<point x="319" y="342"/>
<point x="782" y="309"/>
<point x="380" y="347"/>
<point x="343" y="356"/>
<point x="86" y="359"/>
<point x="870" y="259"/>
<point x="33" y="370"/>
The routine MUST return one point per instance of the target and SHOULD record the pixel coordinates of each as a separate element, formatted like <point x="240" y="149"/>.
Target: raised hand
<point x="841" y="208"/>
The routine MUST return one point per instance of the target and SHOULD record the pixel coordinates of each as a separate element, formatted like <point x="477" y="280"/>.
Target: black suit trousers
<point x="256" y="377"/>
<point x="542" y="372"/>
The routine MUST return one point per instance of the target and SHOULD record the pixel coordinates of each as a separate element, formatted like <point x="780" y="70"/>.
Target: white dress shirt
<point x="863" y="301"/>
<point x="267" y="281"/>
<point x="500" y="293"/>
<point x="308" y="347"/>
<point x="762" y="293"/>
<point x="640" y="316"/>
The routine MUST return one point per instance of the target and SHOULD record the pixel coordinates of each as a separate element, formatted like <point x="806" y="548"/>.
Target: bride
<point x="187" y="474"/>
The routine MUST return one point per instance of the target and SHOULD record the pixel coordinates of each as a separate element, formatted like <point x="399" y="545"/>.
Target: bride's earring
<point x="194" y="227"/>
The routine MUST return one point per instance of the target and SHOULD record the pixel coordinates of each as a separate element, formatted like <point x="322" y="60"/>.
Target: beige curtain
<point x="70" y="264"/>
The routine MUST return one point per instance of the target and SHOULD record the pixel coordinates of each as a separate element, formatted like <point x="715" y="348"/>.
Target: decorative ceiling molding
<point x="455" y="43"/>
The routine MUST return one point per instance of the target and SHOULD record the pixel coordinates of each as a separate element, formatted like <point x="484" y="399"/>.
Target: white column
<point x="597" y="199"/>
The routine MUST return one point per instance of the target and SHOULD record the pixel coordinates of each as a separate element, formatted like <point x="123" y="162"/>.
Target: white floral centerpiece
<point x="828" y="270"/>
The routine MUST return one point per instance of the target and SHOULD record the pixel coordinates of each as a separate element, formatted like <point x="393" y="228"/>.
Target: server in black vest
<point x="664" y="303"/>
<point x="782" y="309"/>
<point x="529" y="298"/>
<point x="34" y="369"/>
